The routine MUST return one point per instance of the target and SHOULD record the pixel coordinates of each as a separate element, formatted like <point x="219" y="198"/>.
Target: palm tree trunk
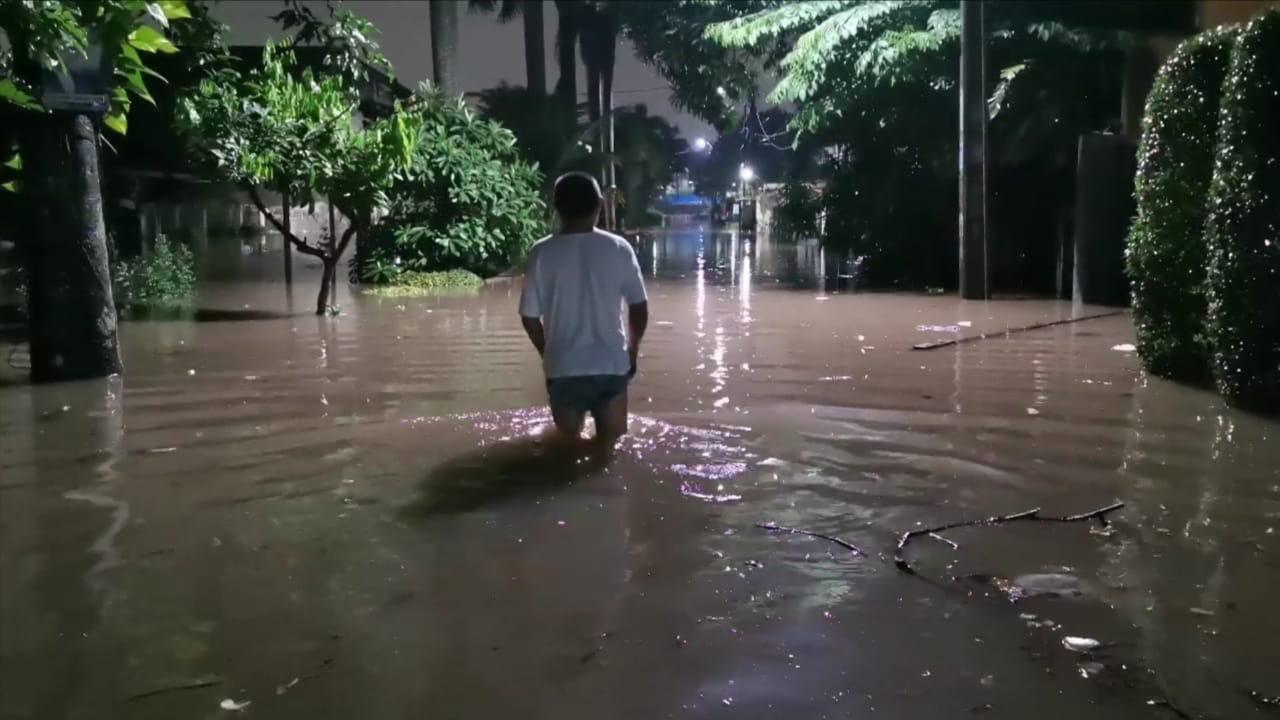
<point x="535" y="51"/>
<point x="973" y="152"/>
<point x="566" y="51"/>
<point x="444" y="44"/>
<point x="611" y="168"/>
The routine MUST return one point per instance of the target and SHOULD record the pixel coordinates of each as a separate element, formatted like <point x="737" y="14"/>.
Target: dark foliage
<point x="1166" y="251"/>
<point x="1243" y="233"/>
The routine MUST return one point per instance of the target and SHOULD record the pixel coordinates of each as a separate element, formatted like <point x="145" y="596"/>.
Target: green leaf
<point x="11" y="186"/>
<point x="175" y="9"/>
<point x="10" y="92"/>
<point x="15" y="162"/>
<point x="154" y="10"/>
<point x="148" y="39"/>
<point x="139" y="88"/>
<point x="117" y="120"/>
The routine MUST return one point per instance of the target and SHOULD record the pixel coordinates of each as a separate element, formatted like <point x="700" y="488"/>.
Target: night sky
<point x="489" y="52"/>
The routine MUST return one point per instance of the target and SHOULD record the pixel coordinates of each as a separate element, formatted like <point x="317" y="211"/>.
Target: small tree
<point x="293" y="132"/>
<point x="1166" y="251"/>
<point x="1243" y="233"/>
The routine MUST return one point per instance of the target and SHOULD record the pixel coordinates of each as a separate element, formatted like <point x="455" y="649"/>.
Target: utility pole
<point x="973" y="151"/>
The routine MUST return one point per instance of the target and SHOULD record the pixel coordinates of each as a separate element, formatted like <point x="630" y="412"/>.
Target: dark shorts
<point x="585" y="393"/>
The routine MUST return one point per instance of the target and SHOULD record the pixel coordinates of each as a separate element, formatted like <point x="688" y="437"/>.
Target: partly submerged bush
<point x="409" y="284"/>
<point x="798" y="211"/>
<point x="468" y="201"/>
<point x="165" y="277"/>
<point x="1243" y="232"/>
<point x="1166" y="249"/>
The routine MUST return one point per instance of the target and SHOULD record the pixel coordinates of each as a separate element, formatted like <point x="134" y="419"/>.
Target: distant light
<point x="746" y="173"/>
<point x="720" y="91"/>
<point x="700" y="144"/>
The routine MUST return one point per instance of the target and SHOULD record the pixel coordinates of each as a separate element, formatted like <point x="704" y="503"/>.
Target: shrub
<point x="1166" y="255"/>
<point x="164" y="278"/>
<point x="1243" y="232"/>
<point x="467" y="202"/>
<point x="410" y="284"/>
<point x="798" y="211"/>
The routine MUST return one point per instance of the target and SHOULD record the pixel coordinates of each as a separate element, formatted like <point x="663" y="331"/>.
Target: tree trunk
<point x="333" y="246"/>
<point x="444" y="44"/>
<point x="286" y="208"/>
<point x="72" y="314"/>
<point x="611" y="165"/>
<point x="973" y="151"/>
<point x="535" y="51"/>
<point x="327" y="281"/>
<point x="566" y="51"/>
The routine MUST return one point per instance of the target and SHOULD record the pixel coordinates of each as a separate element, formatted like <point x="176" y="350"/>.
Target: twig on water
<point x="1032" y="515"/>
<point x="1009" y="331"/>
<point x="1171" y="708"/>
<point x="1270" y="702"/>
<point x="196" y="684"/>
<point x="773" y="527"/>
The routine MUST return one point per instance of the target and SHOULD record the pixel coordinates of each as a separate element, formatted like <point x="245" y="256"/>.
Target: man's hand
<point x="637" y="321"/>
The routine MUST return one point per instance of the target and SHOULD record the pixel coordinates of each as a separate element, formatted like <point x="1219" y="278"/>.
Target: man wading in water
<point x="571" y="307"/>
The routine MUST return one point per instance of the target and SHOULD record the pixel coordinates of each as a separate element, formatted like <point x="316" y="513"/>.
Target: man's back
<point x="577" y="282"/>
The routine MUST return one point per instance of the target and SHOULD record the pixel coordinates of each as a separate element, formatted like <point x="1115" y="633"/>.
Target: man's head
<point x="577" y="198"/>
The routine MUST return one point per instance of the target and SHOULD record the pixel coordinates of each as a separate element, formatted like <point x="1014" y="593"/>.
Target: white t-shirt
<point x="577" y="283"/>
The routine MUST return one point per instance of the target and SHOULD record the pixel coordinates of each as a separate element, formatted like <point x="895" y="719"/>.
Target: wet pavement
<point x="354" y="516"/>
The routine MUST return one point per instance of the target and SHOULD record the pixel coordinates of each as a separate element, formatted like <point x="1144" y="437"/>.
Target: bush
<point x="798" y="211"/>
<point x="467" y="202"/>
<point x="1243" y="232"/>
<point x="1166" y="254"/>
<point x="410" y="284"/>
<point x="164" y="278"/>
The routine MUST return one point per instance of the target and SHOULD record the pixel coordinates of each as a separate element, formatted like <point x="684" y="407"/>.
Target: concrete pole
<point x="973" y="152"/>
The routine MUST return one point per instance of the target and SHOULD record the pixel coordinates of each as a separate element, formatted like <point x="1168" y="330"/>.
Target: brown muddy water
<point x="351" y="517"/>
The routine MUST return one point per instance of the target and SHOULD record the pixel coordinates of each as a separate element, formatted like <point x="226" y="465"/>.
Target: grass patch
<point x="417" y="284"/>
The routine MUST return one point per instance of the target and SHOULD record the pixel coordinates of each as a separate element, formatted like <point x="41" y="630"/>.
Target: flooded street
<point x="352" y="517"/>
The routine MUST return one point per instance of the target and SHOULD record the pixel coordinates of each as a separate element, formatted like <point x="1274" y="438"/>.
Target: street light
<point x="746" y="174"/>
<point x="700" y="144"/>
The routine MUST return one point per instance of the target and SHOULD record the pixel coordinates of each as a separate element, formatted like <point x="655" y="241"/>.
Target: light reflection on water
<point x="366" y="501"/>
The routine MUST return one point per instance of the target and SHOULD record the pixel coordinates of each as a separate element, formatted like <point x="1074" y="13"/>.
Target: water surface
<point x="362" y="504"/>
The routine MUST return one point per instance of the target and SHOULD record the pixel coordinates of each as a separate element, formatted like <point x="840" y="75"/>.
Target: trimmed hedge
<point x="1165" y="256"/>
<point x="1243" y="232"/>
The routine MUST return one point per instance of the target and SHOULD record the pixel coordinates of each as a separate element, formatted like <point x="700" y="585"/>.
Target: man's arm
<point x="637" y="323"/>
<point x="533" y="328"/>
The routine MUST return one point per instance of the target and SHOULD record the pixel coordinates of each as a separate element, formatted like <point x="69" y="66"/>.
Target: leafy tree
<point x="290" y="131"/>
<point x="464" y="200"/>
<point x="347" y="41"/>
<point x="547" y="132"/>
<point x="1166" y="251"/>
<point x="646" y="153"/>
<point x="530" y="11"/>
<point x="1244" y="204"/>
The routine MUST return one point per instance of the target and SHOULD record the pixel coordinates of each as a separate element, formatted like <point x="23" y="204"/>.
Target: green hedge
<point x="1166" y="249"/>
<point x="414" y="284"/>
<point x="1243" y="232"/>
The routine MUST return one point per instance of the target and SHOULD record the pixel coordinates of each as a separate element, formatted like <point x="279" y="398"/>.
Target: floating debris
<point x="690" y="490"/>
<point x="1080" y="644"/>
<point x="233" y="706"/>
<point x="1124" y="347"/>
<point x="1202" y="611"/>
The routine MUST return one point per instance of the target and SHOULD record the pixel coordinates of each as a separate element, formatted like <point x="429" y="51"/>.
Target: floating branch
<point x="1032" y="515"/>
<point x="1010" y="331"/>
<point x="772" y="527"/>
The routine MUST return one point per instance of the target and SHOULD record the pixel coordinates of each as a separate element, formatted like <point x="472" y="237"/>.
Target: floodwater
<point x="353" y="516"/>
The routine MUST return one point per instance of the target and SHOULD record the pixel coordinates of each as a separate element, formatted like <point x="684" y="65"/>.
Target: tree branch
<point x="346" y="239"/>
<point x="771" y="527"/>
<point x="1032" y="515"/>
<point x="303" y="248"/>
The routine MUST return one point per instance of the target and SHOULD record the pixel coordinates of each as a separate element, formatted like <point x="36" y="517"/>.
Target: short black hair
<point x="577" y="195"/>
